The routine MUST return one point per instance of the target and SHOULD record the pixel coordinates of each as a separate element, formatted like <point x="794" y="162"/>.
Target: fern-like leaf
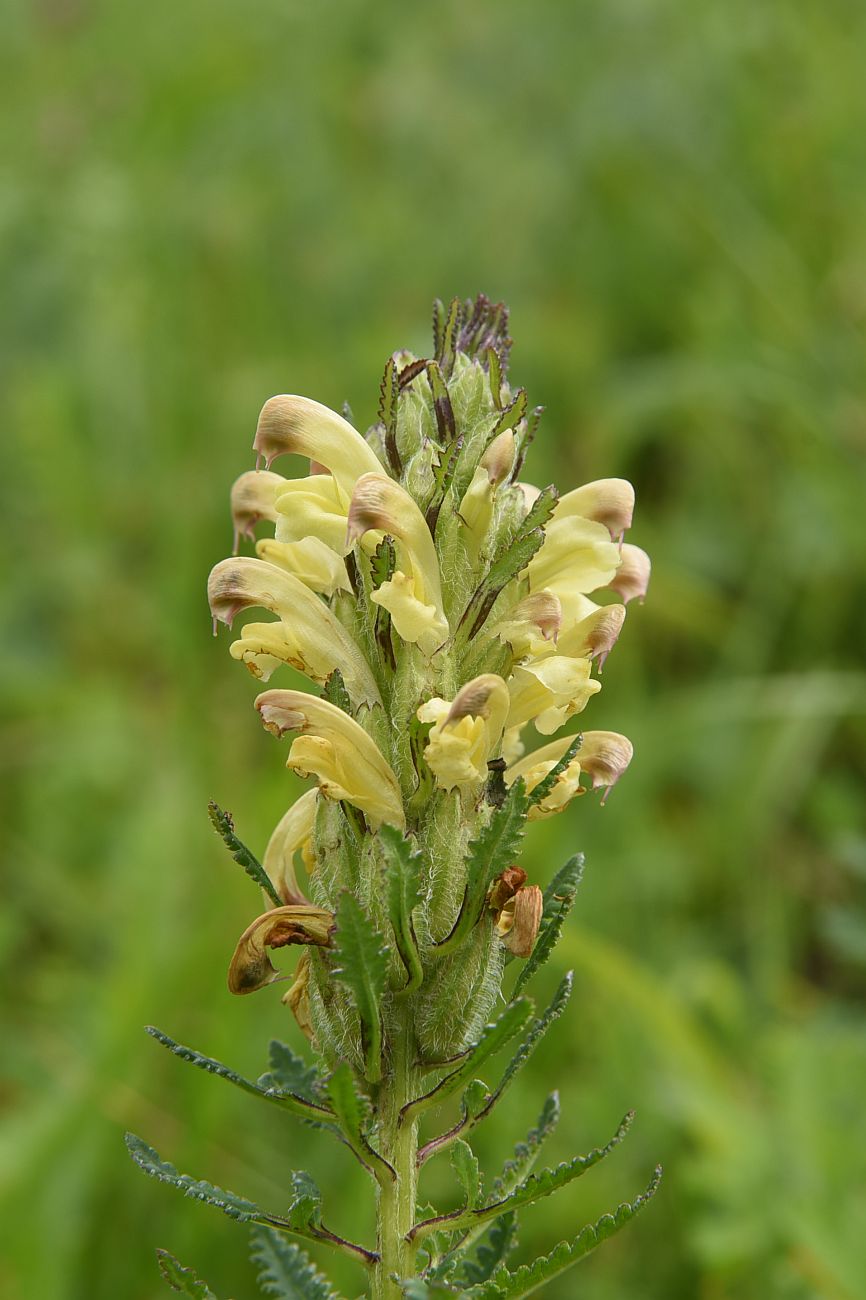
<point x="225" y="828"/>
<point x="184" y="1280"/>
<point x="289" y="1073"/>
<point x="284" y="1271"/>
<point x="404" y="895"/>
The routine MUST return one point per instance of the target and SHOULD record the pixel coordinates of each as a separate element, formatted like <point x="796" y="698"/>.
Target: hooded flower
<point x="307" y="635"/>
<point x="254" y="497"/>
<point x="466" y="733"/>
<point x="549" y="691"/>
<point x="332" y="747"/>
<point x="603" y="756"/>
<point x="413" y="596"/>
<point x="290" y="424"/>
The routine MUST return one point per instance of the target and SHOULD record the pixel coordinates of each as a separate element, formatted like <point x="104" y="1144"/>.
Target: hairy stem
<point x="398" y="1143"/>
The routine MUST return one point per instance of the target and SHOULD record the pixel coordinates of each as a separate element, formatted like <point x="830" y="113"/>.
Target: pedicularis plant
<point x="442" y="604"/>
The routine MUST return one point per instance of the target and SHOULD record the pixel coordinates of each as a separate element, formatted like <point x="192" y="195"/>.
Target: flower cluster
<point x="445" y="606"/>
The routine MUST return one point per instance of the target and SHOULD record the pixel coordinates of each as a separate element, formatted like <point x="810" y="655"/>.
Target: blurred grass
<point x="201" y="205"/>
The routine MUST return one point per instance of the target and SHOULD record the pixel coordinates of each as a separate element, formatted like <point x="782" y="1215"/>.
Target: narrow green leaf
<point x="443" y="473"/>
<point x="181" y="1279"/>
<point x="449" y="335"/>
<point x="350" y="1114"/>
<point x="533" y="1037"/>
<point x="362" y="964"/>
<point x="225" y="828"/>
<point x="526" y="441"/>
<point x="388" y="394"/>
<point x="500" y="573"/>
<point x="489" y="854"/>
<point x="464" y="1162"/>
<point x="495" y="371"/>
<point x="272" y="1092"/>
<point x="532" y="1189"/>
<point x="438" y="326"/>
<point x="404" y="895"/>
<point x="558" y="899"/>
<point x="515" y="1170"/>
<point x="493" y="1037"/>
<point x="289" y="1073"/>
<point x="236" y="1207"/>
<point x="540" y="511"/>
<point x="284" y="1270"/>
<point x="545" y="786"/>
<point x="504" y="1285"/>
<point x="442" y="408"/>
<point x="513" y="413"/>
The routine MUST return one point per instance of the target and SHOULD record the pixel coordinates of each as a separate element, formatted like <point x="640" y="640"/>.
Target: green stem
<point x="398" y="1143"/>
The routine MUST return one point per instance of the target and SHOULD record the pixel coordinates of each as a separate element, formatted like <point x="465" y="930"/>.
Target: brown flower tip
<point x="504" y="887"/>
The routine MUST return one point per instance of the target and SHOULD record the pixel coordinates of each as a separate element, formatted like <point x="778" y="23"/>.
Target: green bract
<point x="442" y="604"/>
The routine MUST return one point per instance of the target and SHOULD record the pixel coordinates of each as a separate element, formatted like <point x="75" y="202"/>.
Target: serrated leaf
<point x="448" y="350"/>
<point x="236" y="1207"/>
<point x="335" y="692"/>
<point x="274" y="1093"/>
<point x="388" y="394"/>
<point x="507" y="567"/>
<point x="533" y="1037"/>
<point x="284" y="1270"/>
<point x="534" y="1188"/>
<point x="305" y="1211"/>
<point x="513" y="413"/>
<point x="540" y="511"/>
<point x="545" y="786"/>
<point x="438" y="326"/>
<point x="416" y="1288"/>
<point x="443" y="473"/>
<point x="501" y="1240"/>
<point x="492" y="1038"/>
<point x="558" y="900"/>
<point x="224" y="826"/>
<point x="442" y="408"/>
<point x="464" y="1162"/>
<point x="289" y="1072"/>
<point x="184" y="1280"/>
<point x="362" y="964"/>
<point x="505" y="1285"/>
<point x="403" y="865"/>
<point x="489" y="854"/>
<point x="526" y="441"/>
<point x="526" y="1152"/>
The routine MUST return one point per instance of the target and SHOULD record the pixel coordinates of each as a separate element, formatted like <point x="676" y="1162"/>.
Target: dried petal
<point x="519" y="920"/>
<point x="250" y="967"/>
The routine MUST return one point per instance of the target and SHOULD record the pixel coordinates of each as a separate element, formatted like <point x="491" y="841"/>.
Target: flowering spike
<point x="445" y="608"/>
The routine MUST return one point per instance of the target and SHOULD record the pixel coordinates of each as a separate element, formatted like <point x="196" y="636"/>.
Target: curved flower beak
<point x="533" y="626"/>
<point x="253" y="497"/>
<point x="251" y="967"/>
<point x="549" y="691"/>
<point x="608" y="501"/>
<point x="591" y="630"/>
<point x="291" y="834"/>
<point x="291" y="424"/>
<point x="331" y="746"/>
<point x="413" y="597"/>
<point x="467" y="732"/>
<point x="308" y="635"/>
<point x="603" y="756"/>
<point x="633" y="575"/>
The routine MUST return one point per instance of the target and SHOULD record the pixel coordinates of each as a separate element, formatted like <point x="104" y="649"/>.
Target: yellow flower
<point x="307" y="636"/>
<point x="549" y="691"/>
<point x="533" y="626"/>
<point x="413" y="596"/>
<point x="588" y="630"/>
<point x="632" y="577"/>
<point x="291" y="424"/>
<point x="466" y="732"/>
<point x="603" y="756"/>
<point x="331" y="746"/>
<point x="312" y="507"/>
<point x="291" y="834"/>
<point x="577" y="555"/>
<point x="309" y="560"/>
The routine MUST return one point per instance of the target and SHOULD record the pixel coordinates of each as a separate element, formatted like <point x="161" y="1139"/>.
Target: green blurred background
<point x="203" y="204"/>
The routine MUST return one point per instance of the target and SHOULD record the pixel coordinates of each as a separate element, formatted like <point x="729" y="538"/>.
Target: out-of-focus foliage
<point x="202" y="204"/>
